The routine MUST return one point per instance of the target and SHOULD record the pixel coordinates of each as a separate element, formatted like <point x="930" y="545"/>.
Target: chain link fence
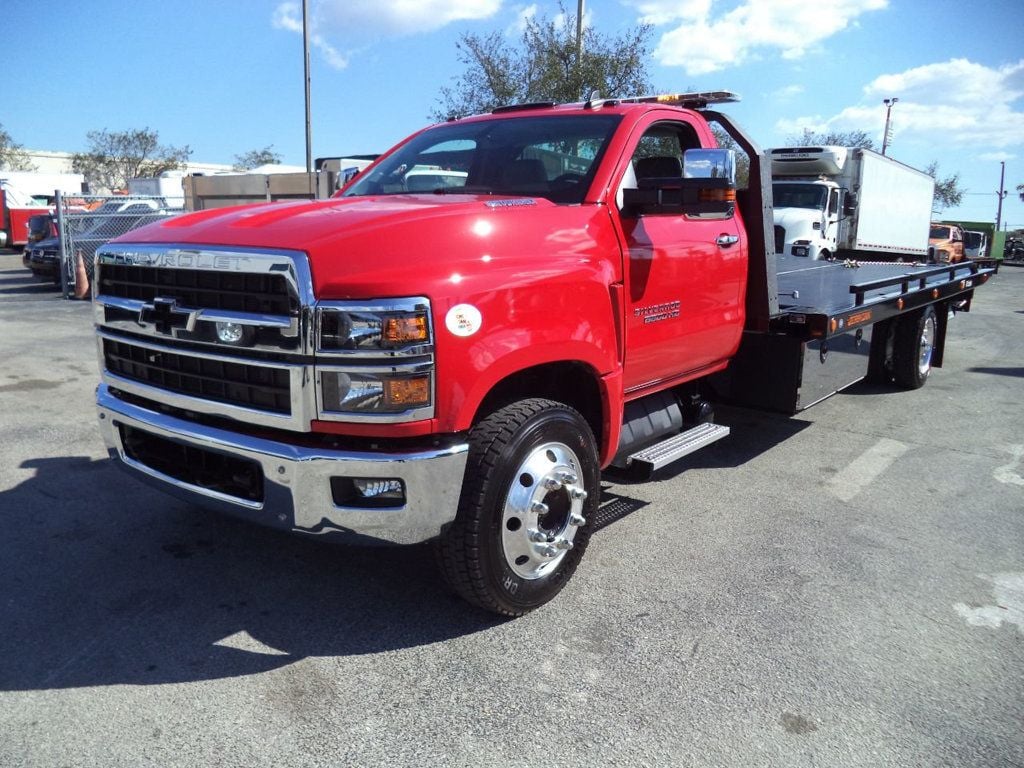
<point x="85" y="222"/>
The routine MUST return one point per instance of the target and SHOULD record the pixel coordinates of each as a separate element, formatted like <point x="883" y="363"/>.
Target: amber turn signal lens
<point x="408" y="392"/>
<point x="718" y="195"/>
<point x="403" y="330"/>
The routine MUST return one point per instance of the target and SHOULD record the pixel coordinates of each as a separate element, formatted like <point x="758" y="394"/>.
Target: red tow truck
<point x="16" y="208"/>
<point x="460" y="362"/>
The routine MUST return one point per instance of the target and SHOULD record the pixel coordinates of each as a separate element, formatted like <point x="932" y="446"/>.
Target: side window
<point x="833" y="202"/>
<point x="659" y="153"/>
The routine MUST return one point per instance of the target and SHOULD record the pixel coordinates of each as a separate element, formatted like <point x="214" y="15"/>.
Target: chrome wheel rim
<point x="543" y="510"/>
<point x="924" y="361"/>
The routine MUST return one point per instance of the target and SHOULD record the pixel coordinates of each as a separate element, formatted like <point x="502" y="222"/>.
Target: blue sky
<point x="225" y="76"/>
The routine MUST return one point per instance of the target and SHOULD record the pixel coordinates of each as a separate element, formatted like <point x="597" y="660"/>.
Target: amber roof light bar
<point x="697" y="100"/>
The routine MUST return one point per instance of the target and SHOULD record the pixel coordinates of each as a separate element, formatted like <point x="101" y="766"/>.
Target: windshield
<point x="799" y="196"/>
<point x="550" y="157"/>
<point x="940" y="233"/>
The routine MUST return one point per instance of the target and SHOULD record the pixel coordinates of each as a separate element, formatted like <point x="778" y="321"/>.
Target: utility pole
<point x="305" y="58"/>
<point x="580" y="49"/>
<point x="888" y="112"/>
<point x="1001" y="193"/>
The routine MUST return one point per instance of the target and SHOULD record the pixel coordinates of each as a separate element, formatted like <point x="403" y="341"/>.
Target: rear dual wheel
<point x="913" y="346"/>
<point x="527" y="508"/>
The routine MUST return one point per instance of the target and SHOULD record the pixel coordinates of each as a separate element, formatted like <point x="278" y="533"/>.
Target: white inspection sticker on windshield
<point x="463" y="320"/>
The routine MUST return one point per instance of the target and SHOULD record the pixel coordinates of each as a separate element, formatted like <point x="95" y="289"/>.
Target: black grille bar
<point x="241" y="478"/>
<point x="231" y="291"/>
<point x="234" y="383"/>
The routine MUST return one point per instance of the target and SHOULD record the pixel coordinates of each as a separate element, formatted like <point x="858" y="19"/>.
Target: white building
<point x="50" y="161"/>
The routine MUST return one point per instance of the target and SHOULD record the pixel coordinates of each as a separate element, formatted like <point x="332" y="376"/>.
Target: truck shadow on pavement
<point x="108" y="582"/>
<point x="26" y="285"/>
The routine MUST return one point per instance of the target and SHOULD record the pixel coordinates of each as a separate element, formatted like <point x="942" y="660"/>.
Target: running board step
<point x="676" y="447"/>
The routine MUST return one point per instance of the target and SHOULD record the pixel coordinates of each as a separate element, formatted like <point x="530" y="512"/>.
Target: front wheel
<point x="913" y="347"/>
<point x="528" y="502"/>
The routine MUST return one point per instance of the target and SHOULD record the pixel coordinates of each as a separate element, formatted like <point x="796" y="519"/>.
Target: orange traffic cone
<point x="81" y="277"/>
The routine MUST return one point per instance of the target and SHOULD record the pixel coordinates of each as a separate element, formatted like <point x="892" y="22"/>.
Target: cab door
<point x="685" y="276"/>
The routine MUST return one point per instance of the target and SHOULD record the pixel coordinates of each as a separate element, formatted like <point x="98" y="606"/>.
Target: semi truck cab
<point x="808" y="215"/>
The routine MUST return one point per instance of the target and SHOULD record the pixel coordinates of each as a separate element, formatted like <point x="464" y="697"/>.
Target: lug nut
<point x="536" y="536"/>
<point x="564" y="544"/>
<point x="552" y="483"/>
<point x="539" y="508"/>
<point x="549" y="551"/>
<point x="577" y="493"/>
<point x="567" y="478"/>
<point x="577" y="520"/>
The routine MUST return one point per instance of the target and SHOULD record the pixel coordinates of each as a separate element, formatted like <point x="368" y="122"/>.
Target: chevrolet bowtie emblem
<point x="162" y="313"/>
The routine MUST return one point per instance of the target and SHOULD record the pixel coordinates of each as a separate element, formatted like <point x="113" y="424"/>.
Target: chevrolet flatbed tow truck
<point x="459" y="364"/>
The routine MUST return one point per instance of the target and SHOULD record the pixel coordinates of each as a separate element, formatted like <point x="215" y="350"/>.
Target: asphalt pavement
<point x="841" y="588"/>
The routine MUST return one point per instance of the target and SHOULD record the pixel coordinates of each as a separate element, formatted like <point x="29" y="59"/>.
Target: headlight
<point x="382" y="329"/>
<point x="374" y="360"/>
<point x="365" y="393"/>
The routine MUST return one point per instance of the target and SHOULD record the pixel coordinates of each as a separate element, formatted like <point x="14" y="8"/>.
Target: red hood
<point x="398" y="245"/>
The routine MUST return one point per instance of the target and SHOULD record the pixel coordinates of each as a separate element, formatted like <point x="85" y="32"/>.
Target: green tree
<point x="254" y="158"/>
<point x="543" y="66"/>
<point x="114" y="157"/>
<point x="948" y="192"/>
<point x="12" y="155"/>
<point x="811" y="138"/>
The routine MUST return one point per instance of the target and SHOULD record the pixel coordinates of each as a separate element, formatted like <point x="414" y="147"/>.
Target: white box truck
<point x="849" y="203"/>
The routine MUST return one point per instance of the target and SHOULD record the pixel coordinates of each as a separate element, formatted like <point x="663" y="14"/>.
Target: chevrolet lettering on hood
<point x="175" y="259"/>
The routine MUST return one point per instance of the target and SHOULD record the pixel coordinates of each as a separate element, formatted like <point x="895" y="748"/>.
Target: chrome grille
<point x="234" y="383"/>
<point x="230" y="291"/>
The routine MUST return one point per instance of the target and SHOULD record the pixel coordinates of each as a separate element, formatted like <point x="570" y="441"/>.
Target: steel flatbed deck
<point x="820" y="299"/>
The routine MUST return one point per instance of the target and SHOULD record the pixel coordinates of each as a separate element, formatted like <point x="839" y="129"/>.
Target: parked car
<point x="40" y="227"/>
<point x="113" y="218"/>
<point x="43" y="258"/>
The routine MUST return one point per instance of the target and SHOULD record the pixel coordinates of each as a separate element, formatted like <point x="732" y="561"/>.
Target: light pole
<point x="305" y="59"/>
<point x="579" y="49"/>
<point x="1001" y="193"/>
<point x="888" y="112"/>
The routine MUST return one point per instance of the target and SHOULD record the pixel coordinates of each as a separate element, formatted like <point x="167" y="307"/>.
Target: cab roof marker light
<point x="696" y="100"/>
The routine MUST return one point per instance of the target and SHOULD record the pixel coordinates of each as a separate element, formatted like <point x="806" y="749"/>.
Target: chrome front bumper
<point x="297" y="480"/>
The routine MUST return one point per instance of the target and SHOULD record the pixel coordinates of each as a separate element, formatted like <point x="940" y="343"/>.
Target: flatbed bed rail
<point x="860" y="290"/>
<point x="823" y="302"/>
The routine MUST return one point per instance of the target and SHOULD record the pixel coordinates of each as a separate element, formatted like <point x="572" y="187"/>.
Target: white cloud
<point x="523" y="15"/>
<point x="953" y="103"/>
<point x="398" y="18"/>
<point x="789" y="92"/>
<point x="361" y="20"/>
<point x="997" y="157"/>
<point x="289" y="16"/>
<point x="703" y="42"/>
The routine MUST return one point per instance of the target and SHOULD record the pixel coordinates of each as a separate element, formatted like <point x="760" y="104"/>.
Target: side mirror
<point x="850" y="204"/>
<point x="706" y="189"/>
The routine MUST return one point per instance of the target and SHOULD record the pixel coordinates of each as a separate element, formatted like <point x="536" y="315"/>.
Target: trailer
<point x="849" y="202"/>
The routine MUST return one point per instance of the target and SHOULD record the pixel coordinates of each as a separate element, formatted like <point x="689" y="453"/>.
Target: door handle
<point x="727" y="240"/>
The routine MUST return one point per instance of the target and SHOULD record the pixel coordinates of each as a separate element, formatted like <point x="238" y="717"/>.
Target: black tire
<point x="913" y="347"/>
<point x="517" y="457"/>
